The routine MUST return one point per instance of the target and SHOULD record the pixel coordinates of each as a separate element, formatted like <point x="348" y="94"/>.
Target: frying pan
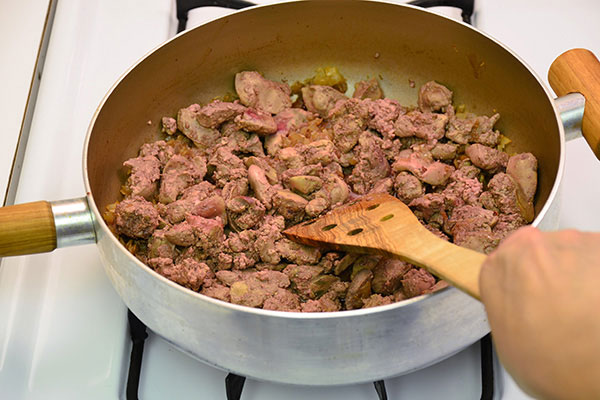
<point x="288" y="41"/>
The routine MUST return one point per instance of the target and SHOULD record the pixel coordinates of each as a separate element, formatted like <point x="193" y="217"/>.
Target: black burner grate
<point x="234" y="384"/>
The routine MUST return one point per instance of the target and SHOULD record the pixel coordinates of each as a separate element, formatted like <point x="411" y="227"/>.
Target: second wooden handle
<point x="578" y="70"/>
<point x="27" y="229"/>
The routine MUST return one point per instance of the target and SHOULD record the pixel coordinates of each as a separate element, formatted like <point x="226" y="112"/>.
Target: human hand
<point x="541" y="292"/>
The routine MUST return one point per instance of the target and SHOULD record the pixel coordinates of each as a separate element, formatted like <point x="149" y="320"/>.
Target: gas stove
<point x="64" y="332"/>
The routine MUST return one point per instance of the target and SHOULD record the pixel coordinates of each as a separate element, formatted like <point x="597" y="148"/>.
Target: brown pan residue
<point x="205" y="206"/>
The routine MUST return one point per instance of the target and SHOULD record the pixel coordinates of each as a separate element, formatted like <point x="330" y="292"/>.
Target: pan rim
<point x="100" y="223"/>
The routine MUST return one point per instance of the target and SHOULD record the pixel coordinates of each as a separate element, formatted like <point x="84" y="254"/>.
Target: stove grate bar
<point x="234" y="385"/>
<point x="380" y="389"/>
<point x="138" y="333"/>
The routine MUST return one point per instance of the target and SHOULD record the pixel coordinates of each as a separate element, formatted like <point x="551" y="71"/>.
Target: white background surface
<point x="21" y="25"/>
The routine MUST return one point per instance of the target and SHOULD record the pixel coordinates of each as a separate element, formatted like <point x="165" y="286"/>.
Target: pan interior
<point x="287" y="42"/>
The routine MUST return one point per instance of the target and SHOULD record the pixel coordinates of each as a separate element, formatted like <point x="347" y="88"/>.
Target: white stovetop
<point x="56" y="309"/>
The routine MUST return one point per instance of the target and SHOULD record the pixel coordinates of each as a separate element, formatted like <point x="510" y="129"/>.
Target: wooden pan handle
<point x="578" y="70"/>
<point x="27" y="229"/>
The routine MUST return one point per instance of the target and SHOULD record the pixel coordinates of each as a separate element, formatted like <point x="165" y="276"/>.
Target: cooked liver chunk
<point x="321" y="99"/>
<point x="136" y="217"/>
<point x="434" y="97"/>
<point x="263" y="94"/>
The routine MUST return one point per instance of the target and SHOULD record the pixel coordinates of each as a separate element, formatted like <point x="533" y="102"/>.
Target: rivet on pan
<point x="372" y="207"/>
<point x="355" y="231"/>
<point x="386" y="217"/>
<point x="328" y="227"/>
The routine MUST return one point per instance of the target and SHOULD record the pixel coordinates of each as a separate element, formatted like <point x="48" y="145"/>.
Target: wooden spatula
<point x="382" y="224"/>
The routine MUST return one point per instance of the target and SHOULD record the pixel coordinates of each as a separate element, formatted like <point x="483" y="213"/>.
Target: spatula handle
<point x="458" y="266"/>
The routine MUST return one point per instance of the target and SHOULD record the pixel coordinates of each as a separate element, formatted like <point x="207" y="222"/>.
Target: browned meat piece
<point x="411" y="161"/>
<point x="288" y="121"/>
<point x="470" y="218"/>
<point x="260" y="185"/>
<point x="324" y="304"/>
<point x="430" y="207"/>
<point x="348" y="119"/>
<point x="377" y="300"/>
<point x="321" y="99"/>
<point x="211" y="207"/>
<point x="383" y="114"/>
<point x="217" y="291"/>
<point x="473" y="128"/>
<point x="266" y="238"/>
<point x="257" y="121"/>
<point x="181" y="234"/>
<point x="471" y="227"/>
<point x="486" y="157"/>
<point x="305" y="184"/>
<point x="192" y="202"/>
<point x="282" y="300"/>
<point x="335" y="190"/>
<point x="434" y="97"/>
<point x="235" y="188"/>
<point x="136" y="217"/>
<point x="462" y="190"/>
<point x="508" y="223"/>
<point x="158" y="149"/>
<point x="242" y="142"/>
<point x="214" y="114"/>
<point x="372" y="166"/>
<point x="292" y="119"/>
<point x="178" y="174"/>
<point x="298" y="253"/>
<point x="437" y="173"/>
<point x="301" y="276"/>
<point x="368" y="89"/>
<point x="320" y="152"/>
<point x="144" y="177"/>
<point x="408" y="187"/>
<point x="227" y="167"/>
<point x="188" y="125"/>
<point x="426" y="126"/>
<point x="209" y="232"/>
<point x="169" y="125"/>
<point x="359" y="289"/>
<point x="244" y="212"/>
<point x="438" y="286"/>
<point x="269" y="166"/>
<point x="290" y="205"/>
<point x="434" y="173"/>
<point x="387" y="275"/>
<point x="322" y="284"/>
<point x="260" y="93"/>
<point x="385" y="185"/>
<point x="159" y="246"/>
<point x="523" y="169"/>
<point x="444" y="151"/>
<point x="240" y="249"/>
<point x="416" y="282"/>
<point x="316" y="207"/>
<point x="244" y="294"/>
<point x="188" y="272"/>
<point x="364" y="261"/>
<point x="508" y="198"/>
